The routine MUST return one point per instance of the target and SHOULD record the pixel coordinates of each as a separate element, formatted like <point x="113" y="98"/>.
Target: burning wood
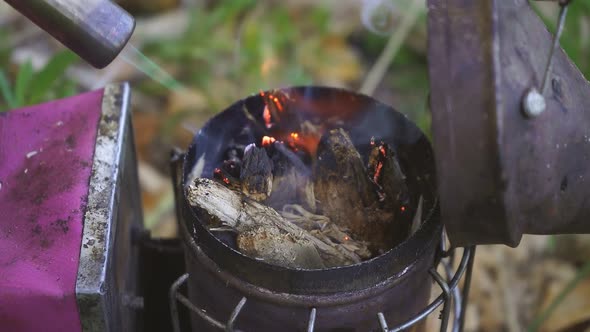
<point x="386" y="173"/>
<point x="353" y="197"/>
<point x="256" y="174"/>
<point x="292" y="182"/>
<point x="306" y="200"/>
<point x="341" y="183"/>
<point x="263" y="232"/>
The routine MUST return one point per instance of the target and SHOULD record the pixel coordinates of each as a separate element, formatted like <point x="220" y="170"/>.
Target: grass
<point x="575" y="39"/>
<point x="29" y="87"/>
<point x="582" y="274"/>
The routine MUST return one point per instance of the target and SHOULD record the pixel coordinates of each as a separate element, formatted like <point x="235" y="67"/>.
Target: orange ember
<point x="278" y="104"/>
<point x="346" y="238"/>
<point x="377" y="172"/>
<point x="267" y="140"/>
<point x="403" y="208"/>
<point x="218" y="174"/>
<point x="266" y="116"/>
<point x="295" y="136"/>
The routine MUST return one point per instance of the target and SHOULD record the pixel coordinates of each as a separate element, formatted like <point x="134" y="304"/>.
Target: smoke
<point x="378" y="16"/>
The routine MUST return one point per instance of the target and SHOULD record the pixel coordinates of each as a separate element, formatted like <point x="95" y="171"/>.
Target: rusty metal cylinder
<point x="96" y="30"/>
<point x="396" y="283"/>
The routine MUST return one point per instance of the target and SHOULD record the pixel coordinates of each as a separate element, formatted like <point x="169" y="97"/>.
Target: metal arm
<point x="96" y="30"/>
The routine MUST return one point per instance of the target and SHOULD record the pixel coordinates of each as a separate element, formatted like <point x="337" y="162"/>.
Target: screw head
<point x="533" y="103"/>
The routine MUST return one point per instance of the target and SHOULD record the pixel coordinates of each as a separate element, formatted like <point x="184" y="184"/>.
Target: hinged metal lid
<point x="501" y="173"/>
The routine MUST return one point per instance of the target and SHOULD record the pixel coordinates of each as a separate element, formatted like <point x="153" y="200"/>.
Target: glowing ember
<point x="377" y="172"/>
<point x="218" y="174"/>
<point x="278" y="104"/>
<point x="379" y="166"/>
<point x="267" y="140"/>
<point x="267" y="117"/>
<point x="347" y="238"/>
<point x="403" y="208"/>
<point x="295" y="136"/>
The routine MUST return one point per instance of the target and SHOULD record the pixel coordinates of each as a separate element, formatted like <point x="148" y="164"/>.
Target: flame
<point x="275" y="103"/>
<point x="267" y="140"/>
<point x="308" y="143"/>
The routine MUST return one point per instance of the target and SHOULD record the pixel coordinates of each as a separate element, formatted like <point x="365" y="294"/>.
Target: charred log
<point x="341" y="183"/>
<point x="386" y="173"/>
<point x="291" y="182"/>
<point x="256" y="173"/>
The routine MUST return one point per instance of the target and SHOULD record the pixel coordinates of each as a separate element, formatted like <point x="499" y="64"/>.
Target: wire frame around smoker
<point x="451" y="298"/>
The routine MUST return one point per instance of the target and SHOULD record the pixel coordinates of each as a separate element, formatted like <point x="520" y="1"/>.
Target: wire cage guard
<point x="451" y="298"/>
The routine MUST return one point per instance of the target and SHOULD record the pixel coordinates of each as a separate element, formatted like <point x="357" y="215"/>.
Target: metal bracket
<point x="502" y="174"/>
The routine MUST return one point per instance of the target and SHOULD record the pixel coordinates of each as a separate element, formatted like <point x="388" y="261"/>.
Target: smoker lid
<point x="501" y="174"/>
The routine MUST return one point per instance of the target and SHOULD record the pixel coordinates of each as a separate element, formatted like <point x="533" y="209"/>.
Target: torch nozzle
<point x="96" y="30"/>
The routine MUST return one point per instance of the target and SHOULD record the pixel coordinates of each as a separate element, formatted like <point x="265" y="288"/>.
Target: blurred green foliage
<point x="27" y="86"/>
<point x="408" y="76"/>
<point x="575" y="39"/>
<point x="240" y="47"/>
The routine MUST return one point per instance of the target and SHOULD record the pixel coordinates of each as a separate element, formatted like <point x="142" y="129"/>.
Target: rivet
<point x="533" y="103"/>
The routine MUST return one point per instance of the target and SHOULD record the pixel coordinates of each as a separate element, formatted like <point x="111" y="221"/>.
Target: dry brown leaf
<point x="338" y="65"/>
<point x="150" y="180"/>
<point x="185" y="99"/>
<point x="574" y="248"/>
<point x="573" y="310"/>
<point x="146" y="127"/>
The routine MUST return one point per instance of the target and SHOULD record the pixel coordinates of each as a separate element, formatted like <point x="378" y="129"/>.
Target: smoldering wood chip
<point x="256" y="173"/>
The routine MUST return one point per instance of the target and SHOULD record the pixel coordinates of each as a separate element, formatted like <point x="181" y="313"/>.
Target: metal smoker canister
<point x="347" y="298"/>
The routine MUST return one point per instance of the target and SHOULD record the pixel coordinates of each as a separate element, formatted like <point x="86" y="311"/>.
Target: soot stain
<point x="70" y="141"/>
<point x="563" y="185"/>
<point x="36" y="230"/>
<point x="46" y="242"/>
<point x="57" y="172"/>
<point x="62" y="225"/>
<point x="47" y="179"/>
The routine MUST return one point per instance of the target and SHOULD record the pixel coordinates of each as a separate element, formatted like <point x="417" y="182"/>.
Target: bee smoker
<point x="74" y="257"/>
